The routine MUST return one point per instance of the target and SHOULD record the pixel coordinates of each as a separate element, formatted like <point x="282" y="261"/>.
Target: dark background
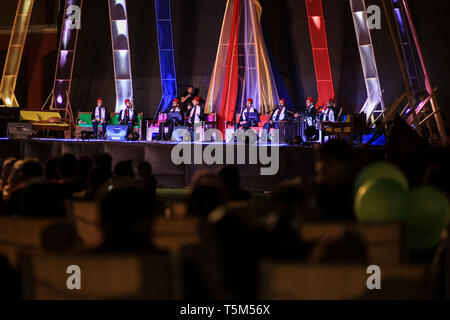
<point x="197" y="25"/>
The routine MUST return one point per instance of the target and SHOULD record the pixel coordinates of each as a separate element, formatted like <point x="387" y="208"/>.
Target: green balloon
<point x="381" y="170"/>
<point x="429" y="217"/>
<point x="381" y="200"/>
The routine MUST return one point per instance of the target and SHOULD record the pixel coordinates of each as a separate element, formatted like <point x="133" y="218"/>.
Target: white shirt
<point x="281" y="116"/>
<point x="195" y="114"/>
<point x="244" y="117"/>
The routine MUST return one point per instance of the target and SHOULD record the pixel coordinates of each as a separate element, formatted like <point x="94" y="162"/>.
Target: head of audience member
<point x="98" y="177"/>
<point x="207" y="193"/>
<point x="104" y="160"/>
<point x="230" y="177"/>
<point x="31" y="169"/>
<point x="51" y="170"/>
<point x="15" y="177"/>
<point x="85" y="164"/>
<point x="334" y="162"/>
<point x="145" y="170"/>
<point x="126" y="219"/>
<point x="67" y="167"/>
<point x="124" y="169"/>
<point x="7" y="167"/>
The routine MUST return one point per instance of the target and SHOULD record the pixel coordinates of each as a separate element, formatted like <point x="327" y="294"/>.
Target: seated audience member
<point x="85" y="164"/>
<point x="279" y="114"/>
<point x="31" y="173"/>
<point x="128" y="116"/>
<point x="100" y="117"/>
<point x="231" y="179"/>
<point x="146" y="175"/>
<point x="126" y="220"/>
<point x="172" y="122"/>
<point x="284" y="238"/>
<point x="196" y="114"/>
<point x="104" y="161"/>
<point x="51" y="170"/>
<point x="7" y="167"/>
<point x="15" y="178"/>
<point x="334" y="191"/>
<point x="67" y="169"/>
<point x="123" y="170"/>
<point x="98" y="177"/>
<point x="206" y="194"/>
<point x="245" y="120"/>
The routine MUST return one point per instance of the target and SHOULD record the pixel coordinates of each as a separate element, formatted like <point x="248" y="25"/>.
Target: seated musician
<point x="330" y="112"/>
<point x="172" y="120"/>
<point x="246" y="119"/>
<point x="279" y="114"/>
<point x="196" y="113"/>
<point x="128" y="116"/>
<point x="100" y="116"/>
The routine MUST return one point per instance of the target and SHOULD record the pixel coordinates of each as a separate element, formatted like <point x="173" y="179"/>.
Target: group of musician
<point x="188" y="111"/>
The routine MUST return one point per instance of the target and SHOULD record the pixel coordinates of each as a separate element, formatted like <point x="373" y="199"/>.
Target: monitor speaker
<point x="20" y="130"/>
<point x="179" y="133"/>
<point x="8" y="115"/>
<point x="117" y="133"/>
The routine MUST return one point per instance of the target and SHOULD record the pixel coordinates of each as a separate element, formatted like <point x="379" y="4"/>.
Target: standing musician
<point x="100" y="116"/>
<point x="246" y="119"/>
<point x="128" y="116"/>
<point x="279" y="114"/>
<point x="172" y="122"/>
<point x="311" y="112"/>
<point x="196" y="113"/>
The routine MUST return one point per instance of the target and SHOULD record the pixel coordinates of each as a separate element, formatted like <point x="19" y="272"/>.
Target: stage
<point x="293" y="161"/>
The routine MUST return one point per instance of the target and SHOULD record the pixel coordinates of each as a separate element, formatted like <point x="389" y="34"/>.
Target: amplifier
<point x="8" y="115"/>
<point x="117" y="133"/>
<point x="20" y="130"/>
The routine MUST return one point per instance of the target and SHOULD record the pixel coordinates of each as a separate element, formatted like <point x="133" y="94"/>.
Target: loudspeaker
<point x="18" y="130"/>
<point x="179" y="133"/>
<point x="8" y="115"/>
<point x="117" y="133"/>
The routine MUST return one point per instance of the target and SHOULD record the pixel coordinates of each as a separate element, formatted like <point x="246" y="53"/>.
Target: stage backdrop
<point x="196" y="28"/>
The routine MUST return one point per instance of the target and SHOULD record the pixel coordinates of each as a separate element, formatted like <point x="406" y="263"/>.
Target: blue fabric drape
<point x="166" y="53"/>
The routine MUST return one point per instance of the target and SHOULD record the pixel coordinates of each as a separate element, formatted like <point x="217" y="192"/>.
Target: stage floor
<point x="287" y="162"/>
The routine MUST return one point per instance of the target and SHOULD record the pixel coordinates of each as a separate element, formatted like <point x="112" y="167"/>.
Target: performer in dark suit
<point x="100" y="116"/>
<point x="311" y="112"/>
<point x="244" y="121"/>
<point x="176" y="108"/>
<point x="279" y="114"/>
<point x="196" y="114"/>
<point x="128" y="116"/>
<point x="331" y="112"/>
